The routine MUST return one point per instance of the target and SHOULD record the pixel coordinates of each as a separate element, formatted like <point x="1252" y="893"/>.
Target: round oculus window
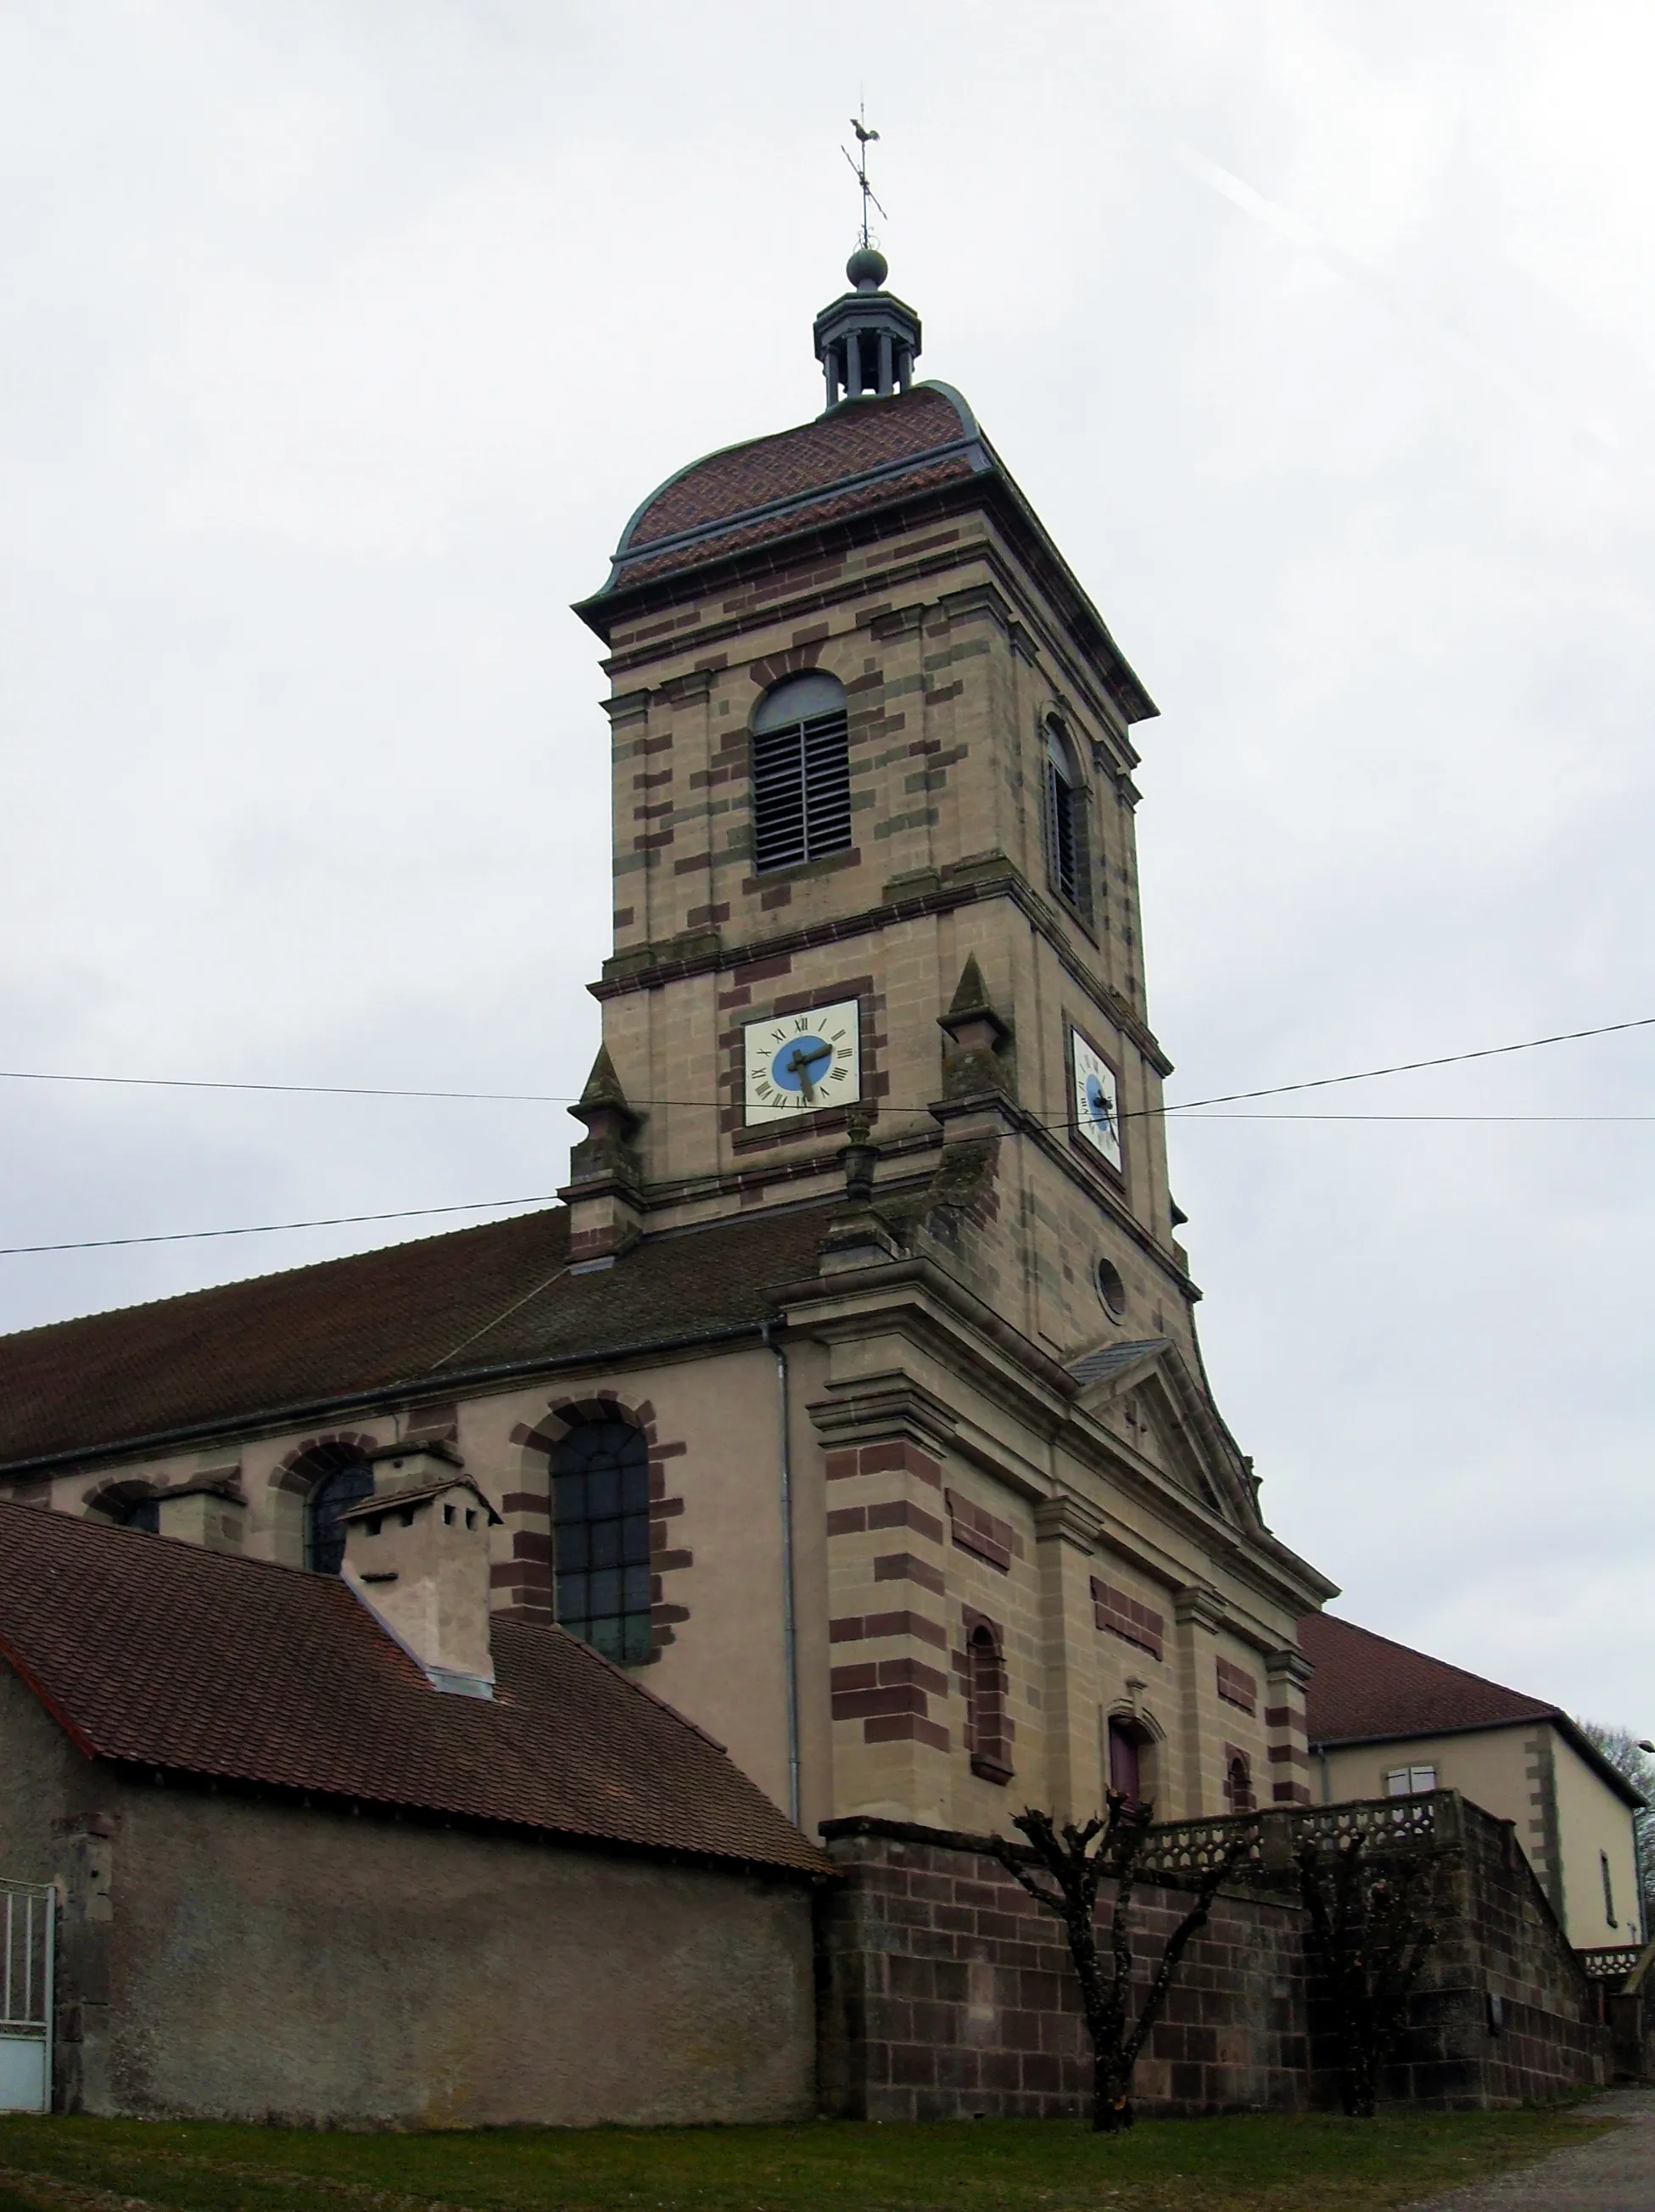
<point x="1111" y="1288"/>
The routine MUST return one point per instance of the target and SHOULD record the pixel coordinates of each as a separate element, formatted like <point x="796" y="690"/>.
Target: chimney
<point x="417" y="1555"/>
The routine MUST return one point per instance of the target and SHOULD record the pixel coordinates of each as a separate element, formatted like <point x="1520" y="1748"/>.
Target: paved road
<point x="1616" y="2173"/>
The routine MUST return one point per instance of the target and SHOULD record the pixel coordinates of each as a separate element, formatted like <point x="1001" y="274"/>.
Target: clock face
<point x="1097" y="1100"/>
<point x="799" y="1063"/>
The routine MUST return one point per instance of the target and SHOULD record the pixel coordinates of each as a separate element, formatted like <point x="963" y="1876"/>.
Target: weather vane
<point x="859" y="162"/>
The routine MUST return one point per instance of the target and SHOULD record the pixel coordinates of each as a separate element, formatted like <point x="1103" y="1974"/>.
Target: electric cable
<point x="560" y="1098"/>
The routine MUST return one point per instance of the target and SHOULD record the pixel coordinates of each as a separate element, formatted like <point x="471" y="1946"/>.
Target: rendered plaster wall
<point x="1562" y="1813"/>
<point x="1593" y="1819"/>
<point x="272" y="1962"/>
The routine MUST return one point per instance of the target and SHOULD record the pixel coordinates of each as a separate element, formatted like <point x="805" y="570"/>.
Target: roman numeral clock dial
<point x="800" y="1063"/>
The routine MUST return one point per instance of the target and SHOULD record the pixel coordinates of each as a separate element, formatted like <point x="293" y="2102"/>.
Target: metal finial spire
<point x="859" y="162"/>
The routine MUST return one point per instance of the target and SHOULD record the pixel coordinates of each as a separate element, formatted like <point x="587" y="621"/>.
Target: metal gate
<point x="29" y="1929"/>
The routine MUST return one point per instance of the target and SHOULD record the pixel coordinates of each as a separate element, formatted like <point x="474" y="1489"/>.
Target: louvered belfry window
<point x="600" y="1536"/>
<point x="1064" y="828"/>
<point x="800" y="772"/>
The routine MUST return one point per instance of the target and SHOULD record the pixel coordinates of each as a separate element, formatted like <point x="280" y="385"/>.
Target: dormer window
<point x="800" y="772"/>
<point x="1066" y="820"/>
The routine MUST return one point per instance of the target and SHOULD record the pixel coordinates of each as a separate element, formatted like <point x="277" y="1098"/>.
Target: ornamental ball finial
<point x="867" y="269"/>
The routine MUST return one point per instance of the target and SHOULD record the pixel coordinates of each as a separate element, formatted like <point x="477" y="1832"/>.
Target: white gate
<point x="29" y="1927"/>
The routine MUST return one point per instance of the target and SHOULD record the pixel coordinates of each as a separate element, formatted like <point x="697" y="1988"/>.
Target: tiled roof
<point x="1368" y="1689"/>
<point x="425" y="1313"/>
<point x="866" y="454"/>
<point x="863" y="435"/>
<point x="163" y="1655"/>
<point x="1365" y="1685"/>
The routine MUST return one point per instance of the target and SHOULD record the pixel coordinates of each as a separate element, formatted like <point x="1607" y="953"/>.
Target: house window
<point x="1409" y="1781"/>
<point x="327" y="1498"/>
<point x="1065" y="821"/>
<point x="1238" y="1781"/>
<point x="137" y="1513"/>
<point x="1609" y="1889"/>
<point x="600" y="1535"/>
<point x="800" y="772"/>
<point x="988" y="1725"/>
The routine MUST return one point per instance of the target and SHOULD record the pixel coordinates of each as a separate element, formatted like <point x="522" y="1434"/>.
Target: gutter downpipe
<point x="790" y="1641"/>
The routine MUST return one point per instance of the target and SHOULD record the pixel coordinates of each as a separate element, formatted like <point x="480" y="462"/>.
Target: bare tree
<point x="1372" y="1922"/>
<point x="1068" y="1865"/>
<point x="1632" y="1756"/>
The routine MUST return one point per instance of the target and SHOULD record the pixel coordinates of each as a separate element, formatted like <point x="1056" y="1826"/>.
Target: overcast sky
<point x="341" y="336"/>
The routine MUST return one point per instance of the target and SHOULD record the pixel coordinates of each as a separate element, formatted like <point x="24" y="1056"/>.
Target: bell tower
<point x="876" y="893"/>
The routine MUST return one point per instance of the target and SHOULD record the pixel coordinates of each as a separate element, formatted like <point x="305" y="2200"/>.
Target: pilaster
<point x="1197" y="1615"/>
<point x="1286" y="1673"/>
<point x="1066" y="1531"/>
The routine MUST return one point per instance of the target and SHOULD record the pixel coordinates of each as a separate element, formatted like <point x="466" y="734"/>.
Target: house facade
<point x="1389" y="1722"/>
<point x="853" y="1396"/>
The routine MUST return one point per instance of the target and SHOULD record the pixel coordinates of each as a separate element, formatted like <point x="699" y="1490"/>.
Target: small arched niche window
<point x="600" y="1533"/>
<point x="1238" y="1782"/>
<point x="800" y="772"/>
<point x="345" y="1479"/>
<point x="988" y="1724"/>
<point x="1065" y="819"/>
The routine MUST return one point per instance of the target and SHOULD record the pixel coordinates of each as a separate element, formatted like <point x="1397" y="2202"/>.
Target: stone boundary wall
<point x="949" y="1994"/>
<point x="946" y="1993"/>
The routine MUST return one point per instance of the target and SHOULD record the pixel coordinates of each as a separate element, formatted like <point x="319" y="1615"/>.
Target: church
<point x="850" y="1405"/>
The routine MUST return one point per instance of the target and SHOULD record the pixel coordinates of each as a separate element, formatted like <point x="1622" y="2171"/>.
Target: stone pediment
<point x="1146" y="1394"/>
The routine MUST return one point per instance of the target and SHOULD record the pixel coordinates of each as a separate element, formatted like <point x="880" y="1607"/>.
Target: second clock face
<point x="799" y="1063"/>
<point x="1097" y="1100"/>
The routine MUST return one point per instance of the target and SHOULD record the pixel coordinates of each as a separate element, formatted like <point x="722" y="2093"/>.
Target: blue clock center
<point x="1097" y="1103"/>
<point x="802" y="1059"/>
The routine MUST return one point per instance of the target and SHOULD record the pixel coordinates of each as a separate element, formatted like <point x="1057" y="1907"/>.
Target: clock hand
<point x="800" y="1065"/>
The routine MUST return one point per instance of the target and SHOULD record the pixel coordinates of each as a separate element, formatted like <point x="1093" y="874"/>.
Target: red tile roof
<point x="861" y="436"/>
<point x="161" y="1655"/>
<point x="1364" y="1686"/>
<point x="1366" y="1689"/>
<point x="878" y="458"/>
<point x="419" y="1316"/>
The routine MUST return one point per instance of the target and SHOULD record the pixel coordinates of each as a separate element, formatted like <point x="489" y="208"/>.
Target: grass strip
<point x="1265" y="2163"/>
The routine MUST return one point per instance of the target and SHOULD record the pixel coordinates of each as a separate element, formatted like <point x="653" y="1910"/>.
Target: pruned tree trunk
<point x="1372" y="1922"/>
<point x="1072" y="1869"/>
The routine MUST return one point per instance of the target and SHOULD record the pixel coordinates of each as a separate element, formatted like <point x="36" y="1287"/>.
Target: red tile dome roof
<point x="862" y="455"/>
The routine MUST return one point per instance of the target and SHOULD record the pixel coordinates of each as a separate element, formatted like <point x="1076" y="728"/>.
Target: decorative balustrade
<point x="1186" y="1850"/>
<point x="1610" y="1962"/>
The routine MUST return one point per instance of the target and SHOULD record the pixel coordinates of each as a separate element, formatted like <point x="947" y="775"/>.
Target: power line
<point x="1408" y="1066"/>
<point x="545" y="1198"/>
<point x="565" y="1098"/>
<point x="272" y="1228"/>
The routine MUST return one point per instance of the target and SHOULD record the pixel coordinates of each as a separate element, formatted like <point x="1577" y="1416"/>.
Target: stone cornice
<point x="1004" y="880"/>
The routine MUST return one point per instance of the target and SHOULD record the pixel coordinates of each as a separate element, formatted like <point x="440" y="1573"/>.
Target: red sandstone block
<point x="923" y="1677"/>
<point x="863" y="1677"/>
<point x="903" y="1566"/>
<point x="906" y="1728"/>
<point x="839" y="1464"/>
<point x="847" y="1520"/>
<point x="903" y="1513"/>
<point x="912" y="2065"/>
<point x="976" y="1893"/>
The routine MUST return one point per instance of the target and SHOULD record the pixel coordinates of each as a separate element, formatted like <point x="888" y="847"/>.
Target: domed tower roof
<point x="859" y="455"/>
<point x="887" y="446"/>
